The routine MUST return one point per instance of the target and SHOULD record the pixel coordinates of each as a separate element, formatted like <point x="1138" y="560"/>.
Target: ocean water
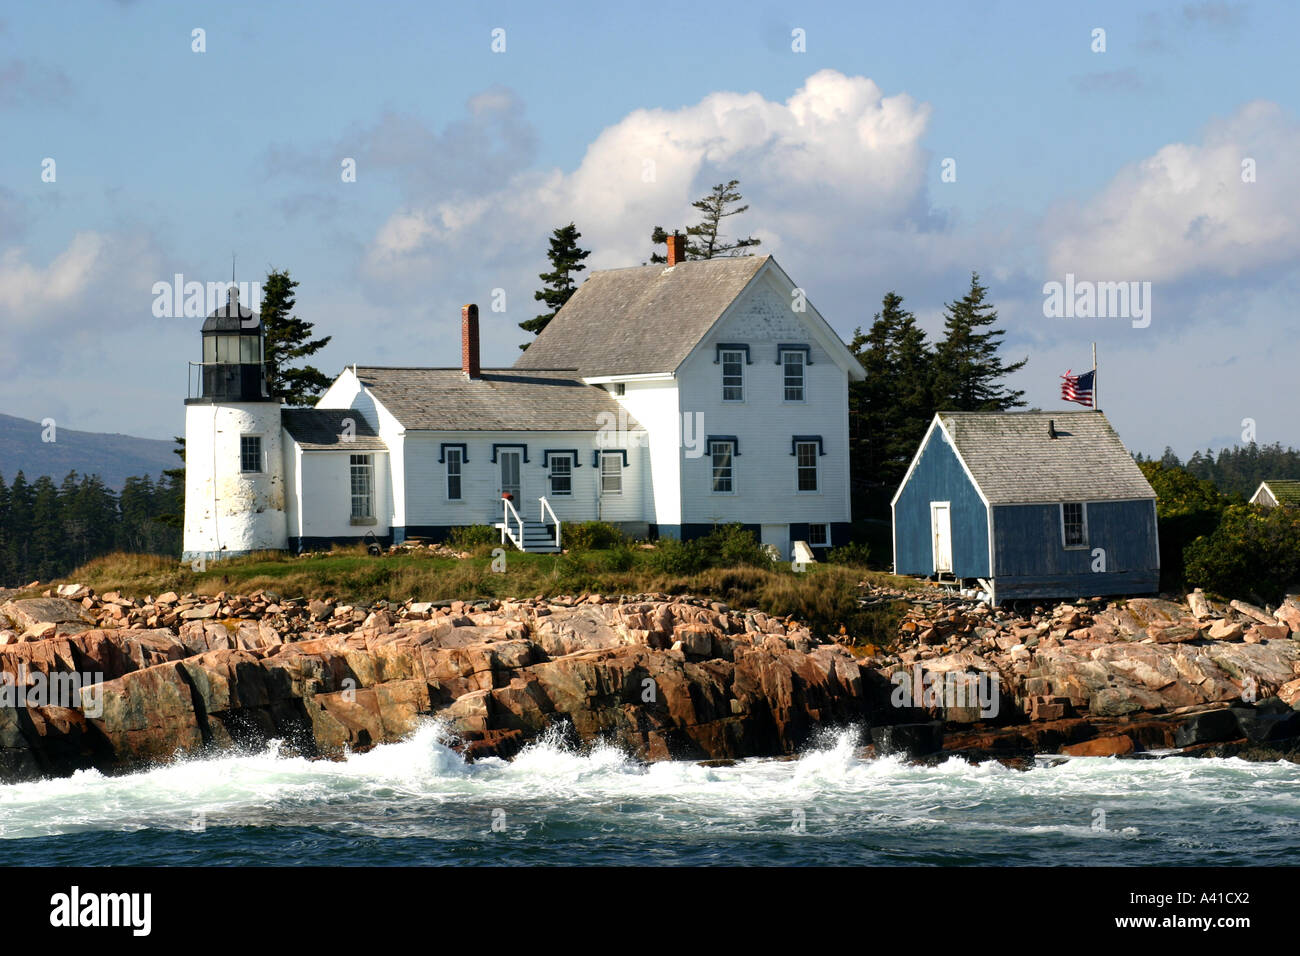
<point x="416" y="802"/>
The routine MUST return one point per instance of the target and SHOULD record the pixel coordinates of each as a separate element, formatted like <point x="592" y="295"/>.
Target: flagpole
<point x="1096" y="402"/>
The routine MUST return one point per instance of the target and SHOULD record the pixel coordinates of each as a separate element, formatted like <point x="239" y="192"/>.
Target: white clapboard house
<point x="664" y="399"/>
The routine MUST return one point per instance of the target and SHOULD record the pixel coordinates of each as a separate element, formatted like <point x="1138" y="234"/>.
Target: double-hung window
<point x="722" y="455"/>
<point x="250" y="454"/>
<point x="1074" y="524"/>
<point x="611" y="473"/>
<point x="792" y="364"/>
<point x="455" y="461"/>
<point x="561" y="475"/>
<point x="805" y="456"/>
<point x="733" y="374"/>
<point x="363" y="486"/>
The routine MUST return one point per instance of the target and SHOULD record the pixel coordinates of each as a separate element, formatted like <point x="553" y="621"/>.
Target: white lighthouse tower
<point x="234" y="465"/>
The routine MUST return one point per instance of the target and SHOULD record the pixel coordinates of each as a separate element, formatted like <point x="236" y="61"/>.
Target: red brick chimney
<point x="676" y="249"/>
<point x="469" y="341"/>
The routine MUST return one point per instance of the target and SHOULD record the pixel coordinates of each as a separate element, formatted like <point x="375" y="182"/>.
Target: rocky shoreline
<point x="104" y="681"/>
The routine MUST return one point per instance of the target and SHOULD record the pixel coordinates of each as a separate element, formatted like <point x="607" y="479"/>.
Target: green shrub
<point x="590" y="536"/>
<point x="468" y="537"/>
<point x="854" y="554"/>
<point x="730" y="546"/>
<point x="671" y="556"/>
<point x="1252" y="553"/>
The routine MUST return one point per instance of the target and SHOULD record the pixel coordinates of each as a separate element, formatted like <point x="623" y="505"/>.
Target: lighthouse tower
<point x="234" y="467"/>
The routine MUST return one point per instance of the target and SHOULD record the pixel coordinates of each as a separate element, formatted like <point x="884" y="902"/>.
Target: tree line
<point x="1236" y="471"/>
<point x="47" y="530"/>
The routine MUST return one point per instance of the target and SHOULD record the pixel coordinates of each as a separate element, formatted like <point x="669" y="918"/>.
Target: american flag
<point x="1077" y="388"/>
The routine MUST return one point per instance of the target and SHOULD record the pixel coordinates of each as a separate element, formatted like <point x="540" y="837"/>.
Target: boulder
<point x="1207" y="727"/>
<point x="1112" y="746"/>
<point x="914" y="740"/>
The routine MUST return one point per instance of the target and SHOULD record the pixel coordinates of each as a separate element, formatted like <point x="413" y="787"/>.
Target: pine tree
<point x="288" y="339"/>
<point x="705" y="240"/>
<point x="170" y="507"/>
<point x="8" y="574"/>
<point x="968" y="370"/>
<point x="20" y="527"/>
<point x="892" y="407"/>
<point x="559" y="285"/>
<point x="47" y="536"/>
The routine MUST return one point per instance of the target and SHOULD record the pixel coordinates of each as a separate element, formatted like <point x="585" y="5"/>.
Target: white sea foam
<point x="422" y="787"/>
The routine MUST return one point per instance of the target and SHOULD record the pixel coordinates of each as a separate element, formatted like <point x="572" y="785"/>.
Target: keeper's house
<point x="1027" y="505"/>
<point x="663" y="399"/>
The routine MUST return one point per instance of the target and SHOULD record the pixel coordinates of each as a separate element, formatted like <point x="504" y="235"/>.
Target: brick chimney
<point x="469" y="341"/>
<point x="676" y="249"/>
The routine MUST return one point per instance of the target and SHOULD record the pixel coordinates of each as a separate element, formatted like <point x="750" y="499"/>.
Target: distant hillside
<point x="113" y="457"/>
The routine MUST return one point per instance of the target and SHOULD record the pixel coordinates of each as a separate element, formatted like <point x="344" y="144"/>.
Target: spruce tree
<point x="968" y="370"/>
<point x="892" y="407"/>
<point x="705" y="239"/>
<point x="559" y="285"/>
<point x="288" y="340"/>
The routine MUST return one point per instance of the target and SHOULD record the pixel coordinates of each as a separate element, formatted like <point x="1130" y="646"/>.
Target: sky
<point x="880" y="147"/>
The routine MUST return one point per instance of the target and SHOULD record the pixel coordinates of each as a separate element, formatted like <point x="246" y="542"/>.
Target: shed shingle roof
<point x="1285" y="491"/>
<point x="644" y="319"/>
<point x="442" y="399"/>
<point x="322" y="429"/>
<point x="1014" y="461"/>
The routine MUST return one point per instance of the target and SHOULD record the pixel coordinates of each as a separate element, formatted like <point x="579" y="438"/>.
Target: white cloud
<point x="1185" y="211"/>
<point x="838" y="164"/>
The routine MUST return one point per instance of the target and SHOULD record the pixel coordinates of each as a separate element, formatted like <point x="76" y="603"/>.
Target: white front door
<point x="509" y="462"/>
<point x="941" y="536"/>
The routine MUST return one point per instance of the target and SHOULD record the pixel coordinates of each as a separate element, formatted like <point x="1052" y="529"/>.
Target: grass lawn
<point x="824" y="596"/>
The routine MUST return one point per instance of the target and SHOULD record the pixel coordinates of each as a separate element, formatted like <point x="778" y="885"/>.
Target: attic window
<point x="1074" y="524"/>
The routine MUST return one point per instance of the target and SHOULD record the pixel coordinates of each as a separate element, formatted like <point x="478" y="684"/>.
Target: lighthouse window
<point x="209" y="349"/>
<point x="248" y="350"/>
<point x="250" y="454"/>
<point x="362" y="487"/>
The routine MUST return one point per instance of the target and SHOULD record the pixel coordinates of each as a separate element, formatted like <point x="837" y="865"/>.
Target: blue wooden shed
<point x="1029" y="505"/>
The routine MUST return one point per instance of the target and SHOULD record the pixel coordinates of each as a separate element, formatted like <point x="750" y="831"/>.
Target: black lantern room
<point x="233" y="354"/>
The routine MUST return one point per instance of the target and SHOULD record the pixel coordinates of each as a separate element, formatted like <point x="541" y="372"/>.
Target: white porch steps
<point x="538" y="537"/>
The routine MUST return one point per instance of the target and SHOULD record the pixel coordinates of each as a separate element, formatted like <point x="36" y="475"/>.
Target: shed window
<point x="363" y="486"/>
<point x="733" y="375"/>
<point x="1074" y="524"/>
<point x="561" y="475"/>
<point x="250" y="454"/>
<point x="721" y="453"/>
<point x="455" y="457"/>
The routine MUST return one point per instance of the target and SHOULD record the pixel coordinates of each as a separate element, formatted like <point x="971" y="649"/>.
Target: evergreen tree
<point x="20" y="527"/>
<point x="171" y="491"/>
<point x="968" y="370"/>
<point x="890" y="410"/>
<point x="8" y="575"/>
<point x="705" y="239"/>
<point x="559" y="285"/>
<point x="46" y="529"/>
<point x="288" y="340"/>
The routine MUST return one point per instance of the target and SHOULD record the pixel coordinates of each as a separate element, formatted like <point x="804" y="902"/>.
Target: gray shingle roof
<point x="442" y="399"/>
<point x="1013" y="460"/>
<point x="1285" y="491"/>
<point x="640" y="320"/>
<point x="322" y="429"/>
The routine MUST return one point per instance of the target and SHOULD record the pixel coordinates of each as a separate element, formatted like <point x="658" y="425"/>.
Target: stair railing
<point x="508" y="511"/>
<point x="543" y="509"/>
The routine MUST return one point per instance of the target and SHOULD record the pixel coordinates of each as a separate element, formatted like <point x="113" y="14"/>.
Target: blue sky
<point x="1122" y="165"/>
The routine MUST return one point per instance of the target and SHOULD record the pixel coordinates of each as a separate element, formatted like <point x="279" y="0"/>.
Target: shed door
<point x="941" y="536"/>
